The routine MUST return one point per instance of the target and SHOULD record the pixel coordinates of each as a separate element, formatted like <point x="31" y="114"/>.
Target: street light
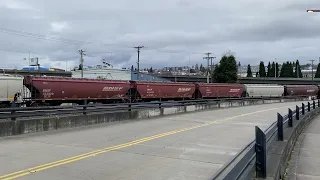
<point x="311" y="10"/>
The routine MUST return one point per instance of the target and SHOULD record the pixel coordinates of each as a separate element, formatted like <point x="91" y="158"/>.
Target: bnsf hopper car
<point x="260" y="90"/>
<point x="301" y="90"/>
<point x="148" y="91"/>
<point x="219" y="90"/>
<point x="55" y="91"/>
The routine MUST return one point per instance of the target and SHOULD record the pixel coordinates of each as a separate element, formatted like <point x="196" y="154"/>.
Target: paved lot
<point x="305" y="161"/>
<point x="189" y="146"/>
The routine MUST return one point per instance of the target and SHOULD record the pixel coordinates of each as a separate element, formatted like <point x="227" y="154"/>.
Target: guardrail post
<point x="129" y="106"/>
<point x="297" y="113"/>
<point x="85" y="107"/>
<point x="159" y="105"/>
<point x="314" y="104"/>
<point x="303" y="108"/>
<point x="280" y="127"/>
<point x="261" y="154"/>
<point x="308" y="106"/>
<point x="13" y="105"/>
<point x="290" y="118"/>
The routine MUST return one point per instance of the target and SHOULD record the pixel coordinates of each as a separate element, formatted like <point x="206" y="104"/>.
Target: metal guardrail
<point x="252" y="159"/>
<point x="21" y="112"/>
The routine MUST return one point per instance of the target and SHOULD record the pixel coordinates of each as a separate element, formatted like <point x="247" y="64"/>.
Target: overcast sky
<point x="174" y="32"/>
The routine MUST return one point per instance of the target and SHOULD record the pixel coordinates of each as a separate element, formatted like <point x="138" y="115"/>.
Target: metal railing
<point x="251" y="161"/>
<point x="22" y="112"/>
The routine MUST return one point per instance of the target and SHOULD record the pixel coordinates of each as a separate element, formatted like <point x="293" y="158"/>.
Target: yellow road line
<point x="28" y="171"/>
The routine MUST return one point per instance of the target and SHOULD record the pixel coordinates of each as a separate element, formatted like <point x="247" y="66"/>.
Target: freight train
<point x="54" y="91"/>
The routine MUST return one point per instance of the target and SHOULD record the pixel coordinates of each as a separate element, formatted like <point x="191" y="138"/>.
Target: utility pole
<point x="208" y="58"/>
<point x="275" y="67"/>
<point x="211" y="66"/>
<point x="312" y="68"/>
<point x="81" y="52"/>
<point x="138" y="63"/>
<point x="66" y="64"/>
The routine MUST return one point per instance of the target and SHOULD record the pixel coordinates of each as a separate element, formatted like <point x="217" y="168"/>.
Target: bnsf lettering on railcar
<point x="184" y="89"/>
<point x="310" y="90"/>
<point x="234" y="90"/>
<point x="47" y="93"/>
<point x="112" y="88"/>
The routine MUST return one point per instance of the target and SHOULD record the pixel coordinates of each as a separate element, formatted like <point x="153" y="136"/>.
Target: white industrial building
<point x="105" y="73"/>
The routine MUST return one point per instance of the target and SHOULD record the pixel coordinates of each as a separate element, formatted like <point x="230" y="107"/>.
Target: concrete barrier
<point x="9" y="128"/>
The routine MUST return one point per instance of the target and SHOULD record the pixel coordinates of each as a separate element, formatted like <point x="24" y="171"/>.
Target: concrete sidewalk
<point x="305" y="158"/>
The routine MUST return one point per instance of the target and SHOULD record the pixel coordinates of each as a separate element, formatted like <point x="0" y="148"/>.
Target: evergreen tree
<point x="283" y="69"/>
<point x="151" y="70"/>
<point x="273" y="68"/>
<point x="291" y="73"/>
<point x="277" y="70"/>
<point x="257" y="74"/>
<point x="298" y="68"/>
<point x="318" y="72"/>
<point x="132" y="68"/>
<point x="239" y="64"/>
<point x="287" y="70"/>
<point x="249" y="72"/>
<point x="269" y="69"/>
<point x="262" y="69"/>
<point x="226" y="71"/>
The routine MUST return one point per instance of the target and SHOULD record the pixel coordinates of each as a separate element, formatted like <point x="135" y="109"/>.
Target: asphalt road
<point x="189" y="146"/>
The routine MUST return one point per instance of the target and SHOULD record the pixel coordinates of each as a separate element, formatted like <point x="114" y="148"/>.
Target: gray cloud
<point x="175" y="32"/>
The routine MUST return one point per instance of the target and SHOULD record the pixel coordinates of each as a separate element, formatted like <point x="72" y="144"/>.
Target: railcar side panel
<point x="256" y="90"/>
<point x="9" y="86"/>
<point x="159" y="90"/>
<point x="301" y="90"/>
<point x="216" y="90"/>
<point x="46" y="88"/>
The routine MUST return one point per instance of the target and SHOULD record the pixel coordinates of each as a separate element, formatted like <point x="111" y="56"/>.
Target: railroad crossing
<point x="186" y="146"/>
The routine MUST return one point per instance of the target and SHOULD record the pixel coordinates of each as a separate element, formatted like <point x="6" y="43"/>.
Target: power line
<point x="77" y="42"/>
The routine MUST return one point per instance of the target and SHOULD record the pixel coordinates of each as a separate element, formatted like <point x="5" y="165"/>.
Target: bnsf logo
<point x="184" y="89"/>
<point x="112" y="88"/>
<point x="234" y="90"/>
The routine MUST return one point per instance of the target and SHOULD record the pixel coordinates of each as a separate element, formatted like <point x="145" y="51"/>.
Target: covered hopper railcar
<point x="264" y="90"/>
<point x="55" y="91"/>
<point x="301" y="90"/>
<point x="58" y="90"/>
<point x="219" y="90"/>
<point x="150" y="91"/>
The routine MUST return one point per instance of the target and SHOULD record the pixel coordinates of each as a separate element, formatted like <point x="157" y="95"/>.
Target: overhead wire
<point x="71" y="41"/>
